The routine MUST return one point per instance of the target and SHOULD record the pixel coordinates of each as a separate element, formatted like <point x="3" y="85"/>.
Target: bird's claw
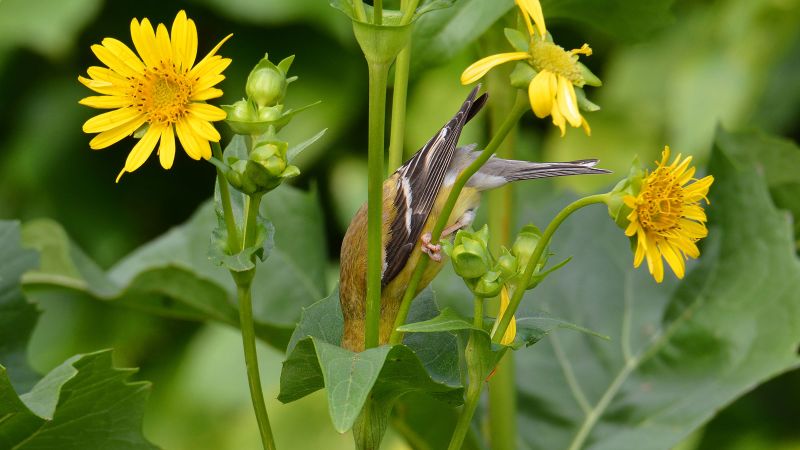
<point x="432" y="250"/>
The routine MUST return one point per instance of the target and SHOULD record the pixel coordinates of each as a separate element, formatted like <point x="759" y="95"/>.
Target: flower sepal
<point x="246" y="118"/>
<point x="628" y="186"/>
<point x="265" y="169"/>
<point x="522" y="75"/>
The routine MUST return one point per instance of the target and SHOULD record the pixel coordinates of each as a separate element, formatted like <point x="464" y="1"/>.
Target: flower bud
<point x="525" y="244"/>
<point x="270" y="113"/>
<point x="239" y="178"/>
<point x="266" y="84"/>
<point x="469" y="259"/>
<point x="489" y="285"/>
<point x="506" y="264"/>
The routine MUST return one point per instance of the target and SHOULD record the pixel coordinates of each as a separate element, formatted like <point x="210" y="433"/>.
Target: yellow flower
<point x="511" y="331"/>
<point x="667" y="218"/>
<point x="552" y="90"/>
<point x="162" y="88"/>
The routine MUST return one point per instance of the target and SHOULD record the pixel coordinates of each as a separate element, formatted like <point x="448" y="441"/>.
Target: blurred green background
<point x="668" y="80"/>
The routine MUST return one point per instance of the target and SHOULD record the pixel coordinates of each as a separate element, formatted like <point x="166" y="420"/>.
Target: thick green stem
<point x="225" y="199"/>
<point x="525" y="280"/>
<point x="378" y="73"/>
<point x="502" y="386"/>
<point x="477" y="317"/>
<point x="399" y="94"/>
<point x="465" y="418"/>
<point x="520" y="106"/>
<point x="251" y="360"/>
<point x="251" y="220"/>
<point x="408" y="11"/>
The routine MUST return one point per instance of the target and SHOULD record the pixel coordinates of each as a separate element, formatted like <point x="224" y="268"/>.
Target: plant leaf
<point x="83" y="404"/>
<point x="678" y="355"/>
<point x="172" y="275"/>
<point x="17" y="316"/>
<point x="428" y="365"/>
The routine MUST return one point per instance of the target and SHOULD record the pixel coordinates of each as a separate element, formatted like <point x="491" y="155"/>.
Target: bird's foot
<point x="432" y="250"/>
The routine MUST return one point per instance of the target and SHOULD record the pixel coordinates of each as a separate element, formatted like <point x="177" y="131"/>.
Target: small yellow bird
<point x="413" y="198"/>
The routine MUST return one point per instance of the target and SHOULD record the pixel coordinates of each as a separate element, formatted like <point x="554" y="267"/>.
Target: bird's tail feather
<point x="532" y="170"/>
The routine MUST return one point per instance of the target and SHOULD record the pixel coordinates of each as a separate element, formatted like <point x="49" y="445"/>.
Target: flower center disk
<point x="548" y="56"/>
<point x="662" y="202"/>
<point x="162" y="94"/>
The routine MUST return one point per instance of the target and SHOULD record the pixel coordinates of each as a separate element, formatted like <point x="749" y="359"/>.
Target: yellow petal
<point x="106" y="101"/>
<point x="142" y="150"/>
<point x="115" y="135"/>
<point x="558" y="119"/>
<point x="185" y="135"/>
<point x="124" y="53"/>
<point x="211" y="67"/>
<point x="101" y="87"/>
<point x="511" y="331"/>
<point x="191" y="45"/>
<point x="208" y="81"/>
<point x="586" y="128"/>
<point x="202" y="128"/>
<point x="162" y="43"/>
<point x="567" y="102"/>
<point x="479" y="68"/>
<point x="166" y="151"/>
<point x="541" y="92"/>
<point x="207" y="112"/>
<point x="178" y="38"/>
<point x="211" y="54"/>
<point x="144" y="39"/>
<point x="113" y="62"/>
<point x="109" y="120"/>
<point x="675" y="262"/>
<point x="206" y="94"/>
<point x="534" y="9"/>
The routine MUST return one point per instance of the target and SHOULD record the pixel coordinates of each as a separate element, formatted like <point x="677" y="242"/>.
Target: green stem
<point x="378" y="12"/>
<point x="465" y="418"/>
<point x="378" y="73"/>
<point x="477" y="317"/>
<point x="408" y="11"/>
<point x="502" y="386"/>
<point x="524" y="281"/>
<point x="225" y="199"/>
<point x="251" y="220"/>
<point x="251" y="361"/>
<point x="520" y="106"/>
<point x="399" y="94"/>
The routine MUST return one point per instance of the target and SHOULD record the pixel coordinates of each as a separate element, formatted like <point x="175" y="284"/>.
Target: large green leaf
<point x="427" y="363"/>
<point x="83" y="404"/>
<point x="17" y="316"/>
<point x="173" y="276"/>
<point x="679" y="352"/>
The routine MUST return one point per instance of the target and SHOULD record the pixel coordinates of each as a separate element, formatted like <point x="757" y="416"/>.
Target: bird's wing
<point x="418" y="184"/>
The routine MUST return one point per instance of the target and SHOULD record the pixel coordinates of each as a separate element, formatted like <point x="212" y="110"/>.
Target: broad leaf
<point x="173" y="276"/>
<point x="678" y="355"/>
<point x="17" y="316"/>
<point x="426" y="364"/>
<point x="83" y="404"/>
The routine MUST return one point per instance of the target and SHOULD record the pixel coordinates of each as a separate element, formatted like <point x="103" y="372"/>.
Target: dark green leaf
<point x="620" y="19"/>
<point x="83" y="404"/>
<point x="173" y="276"/>
<point x="428" y="364"/>
<point x="677" y="355"/>
<point x="17" y="316"/>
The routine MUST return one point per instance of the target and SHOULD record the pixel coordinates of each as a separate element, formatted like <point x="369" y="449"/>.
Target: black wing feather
<point x="418" y="185"/>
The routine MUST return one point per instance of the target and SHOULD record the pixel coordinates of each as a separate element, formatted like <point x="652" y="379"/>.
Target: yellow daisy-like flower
<point x="162" y="88"/>
<point x="667" y="218"/>
<point x="552" y="91"/>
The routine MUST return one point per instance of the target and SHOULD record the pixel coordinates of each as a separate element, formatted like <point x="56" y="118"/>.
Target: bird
<point x="413" y="199"/>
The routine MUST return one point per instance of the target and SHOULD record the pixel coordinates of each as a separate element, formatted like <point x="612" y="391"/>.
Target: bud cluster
<point x="264" y="170"/>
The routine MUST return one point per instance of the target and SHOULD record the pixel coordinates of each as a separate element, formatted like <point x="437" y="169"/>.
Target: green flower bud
<point x="241" y="111"/>
<point x="525" y="244"/>
<point x="506" y="264"/>
<point x="270" y="113"/>
<point x="239" y="178"/>
<point x="266" y="84"/>
<point x="469" y="261"/>
<point x="489" y="285"/>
